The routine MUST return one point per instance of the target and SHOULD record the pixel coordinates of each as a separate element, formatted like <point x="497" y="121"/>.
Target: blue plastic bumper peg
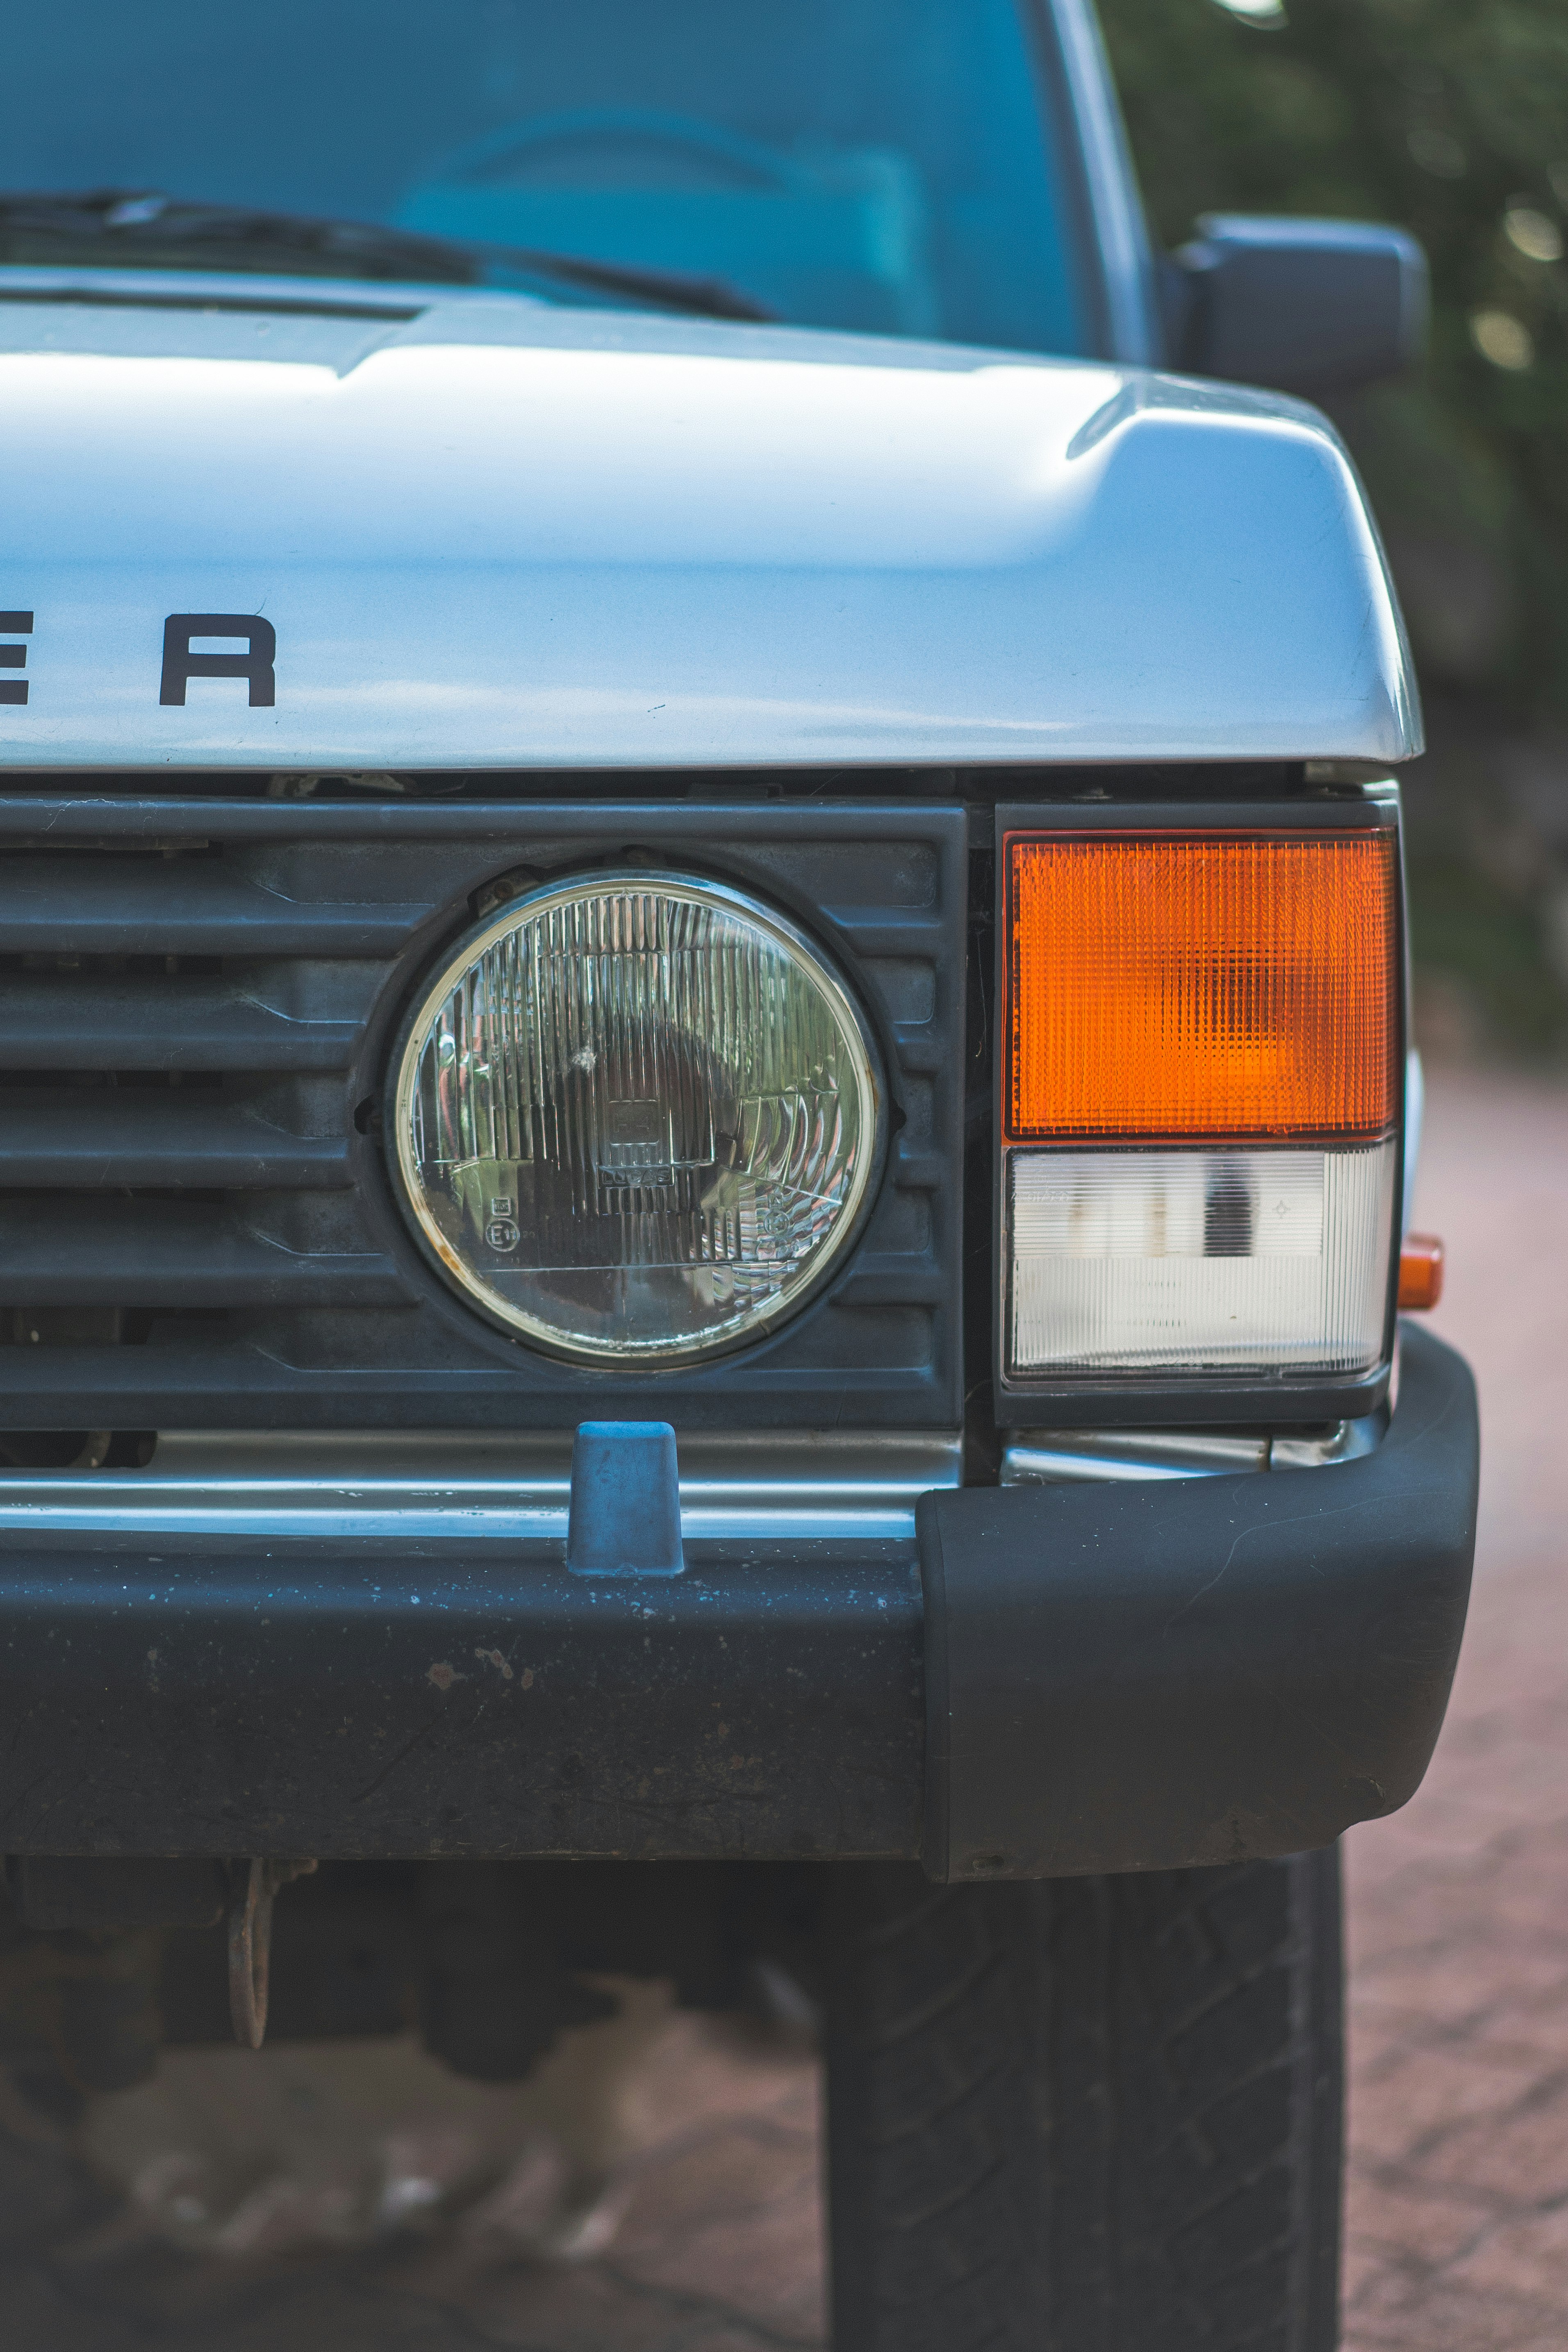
<point x="625" y="1500"/>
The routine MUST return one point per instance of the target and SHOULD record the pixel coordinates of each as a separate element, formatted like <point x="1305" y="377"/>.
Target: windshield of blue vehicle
<point x="884" y="165"/>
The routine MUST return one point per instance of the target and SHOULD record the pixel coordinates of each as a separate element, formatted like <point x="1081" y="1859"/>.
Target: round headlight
<point x="637" y="1119"/>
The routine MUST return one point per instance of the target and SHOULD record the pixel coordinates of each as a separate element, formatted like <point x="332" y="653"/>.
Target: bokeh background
<point x="1450" y="118"/>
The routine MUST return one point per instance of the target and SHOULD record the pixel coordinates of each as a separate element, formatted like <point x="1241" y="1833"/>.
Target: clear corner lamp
<point x="637" y="1118"/>
<point x="1200" y="1104"/>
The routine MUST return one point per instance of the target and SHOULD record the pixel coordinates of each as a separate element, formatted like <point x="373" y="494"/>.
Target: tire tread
<point x="1086" y="2116"/>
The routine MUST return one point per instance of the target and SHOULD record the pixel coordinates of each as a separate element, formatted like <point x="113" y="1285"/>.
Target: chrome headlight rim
<point x="868" y="1064"/>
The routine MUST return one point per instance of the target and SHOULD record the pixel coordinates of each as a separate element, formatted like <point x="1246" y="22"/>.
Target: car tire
<point x="1094" y="2115"/>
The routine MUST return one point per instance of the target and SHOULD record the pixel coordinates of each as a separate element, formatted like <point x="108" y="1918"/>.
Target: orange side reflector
<point x="1420" y="1273"/>
<point x="1201" y="985"/>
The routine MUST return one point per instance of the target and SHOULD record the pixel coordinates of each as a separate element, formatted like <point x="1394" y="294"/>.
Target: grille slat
<point x="253" y="1020"/>
<point x="108" y="1140"/>
<point x="171" y="1254"/>
<point x="186" y="906"/>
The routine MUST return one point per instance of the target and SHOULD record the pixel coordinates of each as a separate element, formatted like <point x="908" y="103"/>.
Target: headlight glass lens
<point x="637" y="1119"/>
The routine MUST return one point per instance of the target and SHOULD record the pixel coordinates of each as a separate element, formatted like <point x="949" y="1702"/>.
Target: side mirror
<point x="1302" y="306"/>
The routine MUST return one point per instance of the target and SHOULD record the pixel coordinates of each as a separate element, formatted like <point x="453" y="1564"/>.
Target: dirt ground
<point x="673" y="2207"/>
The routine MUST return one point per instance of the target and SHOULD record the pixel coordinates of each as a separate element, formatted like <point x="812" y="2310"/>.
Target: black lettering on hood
<point x="180" y="663"/>
<point x="14" y="624"/>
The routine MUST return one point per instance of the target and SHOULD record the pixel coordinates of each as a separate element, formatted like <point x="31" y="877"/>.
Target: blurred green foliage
<point x="1449" y="117"/>
<point x="1489" y="940"/>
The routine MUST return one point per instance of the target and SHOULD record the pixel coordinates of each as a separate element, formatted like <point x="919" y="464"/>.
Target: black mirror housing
<point x="1313" y="307"/>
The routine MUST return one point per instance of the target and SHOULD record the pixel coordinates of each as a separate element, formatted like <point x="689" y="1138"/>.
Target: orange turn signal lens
<point x="1203" y="985"/>
<point x="1420" y="1273"/>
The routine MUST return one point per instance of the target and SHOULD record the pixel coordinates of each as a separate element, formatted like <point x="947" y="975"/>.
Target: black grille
<point x="196" y="1004"/>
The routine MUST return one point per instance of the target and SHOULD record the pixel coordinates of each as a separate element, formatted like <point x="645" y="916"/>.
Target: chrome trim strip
<point x="1057" y="1457"/>
<point x="1053" y="1457"/>
<point x="438" y="1486"/>
<point x="1415" y="1119"/>
<point x="1348" y="1443"/>
<point x="444" y="1486"/>
<point x="343" y="1518"/>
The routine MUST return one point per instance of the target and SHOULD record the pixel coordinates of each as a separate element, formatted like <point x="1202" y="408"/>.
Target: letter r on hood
<point x="180" y="663"/>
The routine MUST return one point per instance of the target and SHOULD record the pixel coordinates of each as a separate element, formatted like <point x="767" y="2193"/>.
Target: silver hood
<point x="483" y="531"/>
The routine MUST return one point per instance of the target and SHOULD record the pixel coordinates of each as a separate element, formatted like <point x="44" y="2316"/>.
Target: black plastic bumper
<point x="1146" y="1677"/>
<point x="1097" y="1678"/>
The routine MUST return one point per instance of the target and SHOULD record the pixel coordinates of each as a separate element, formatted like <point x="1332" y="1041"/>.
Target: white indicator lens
<point x="637" y="1119"/>
<point x="1190" y="1261"/>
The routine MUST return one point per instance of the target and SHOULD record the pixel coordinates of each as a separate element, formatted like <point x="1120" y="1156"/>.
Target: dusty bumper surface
<point x="458" y="1699"/>
<point x="1100" y="1678"/>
